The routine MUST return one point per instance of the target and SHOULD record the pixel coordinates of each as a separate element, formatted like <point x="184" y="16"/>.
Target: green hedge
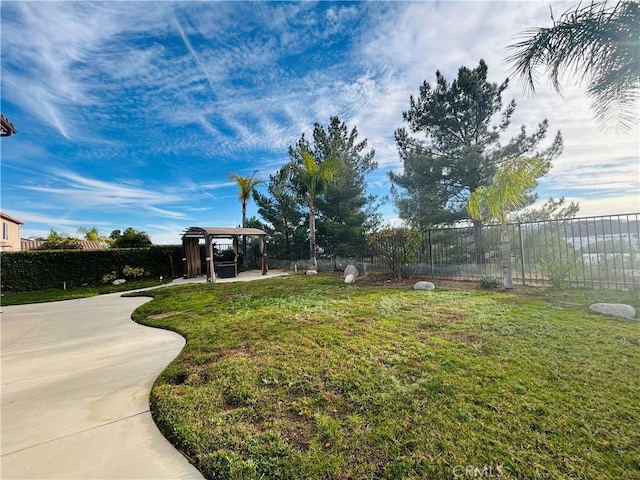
<point x="41" y="270"/>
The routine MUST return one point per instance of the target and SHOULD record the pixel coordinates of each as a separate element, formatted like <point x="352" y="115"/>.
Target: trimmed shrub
<point x="395" y="247"/>
<point x="42" y="270"/>
<point x="133" y="272"/>
<point x="109" y="277"/>
<point x="559" y="272"/>
<point x="490" y="283"/>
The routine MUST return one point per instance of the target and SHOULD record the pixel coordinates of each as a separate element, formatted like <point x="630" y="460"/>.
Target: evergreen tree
<point x="130" y="238"/>
<point x="284" y="219"/>
<point x="346" y="211"/>
<point x="552" y="209"/>
<point x="453" y="147"/>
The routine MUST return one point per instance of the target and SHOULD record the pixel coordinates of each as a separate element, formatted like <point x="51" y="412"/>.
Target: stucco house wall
<point x="10" y="235"/>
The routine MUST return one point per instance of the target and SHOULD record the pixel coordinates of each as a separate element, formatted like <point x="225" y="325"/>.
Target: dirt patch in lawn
<point x="386" y="281"/>
<point x="160" y="316"/>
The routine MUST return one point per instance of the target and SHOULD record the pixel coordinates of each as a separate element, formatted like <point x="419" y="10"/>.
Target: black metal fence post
<point x="430" y="250"/>
<point x="522" y="266"/>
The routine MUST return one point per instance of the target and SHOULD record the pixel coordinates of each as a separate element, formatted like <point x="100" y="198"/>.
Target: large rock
<point x="351" y="270"/>
<point x="424" y="286"/>
<point x="311" y="272"/>
<point x="349" y="279"/>
<point x="614" y="309"/>
<point x="118" y="281"/>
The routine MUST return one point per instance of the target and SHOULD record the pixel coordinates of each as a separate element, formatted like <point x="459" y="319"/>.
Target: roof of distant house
<point x="6" y="127"/>
<point x="11" y="219"/>
<point x="26" y="244"/>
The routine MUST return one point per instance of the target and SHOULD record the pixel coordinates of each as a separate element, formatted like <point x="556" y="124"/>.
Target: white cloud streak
<point x="77" y="190"/>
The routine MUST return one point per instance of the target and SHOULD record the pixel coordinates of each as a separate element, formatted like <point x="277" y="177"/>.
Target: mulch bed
<point x="386" y="280"/>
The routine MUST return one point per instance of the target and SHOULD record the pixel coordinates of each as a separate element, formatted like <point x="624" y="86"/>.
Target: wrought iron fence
<point x="592" y="252"/>
<point x="596" y="252"/>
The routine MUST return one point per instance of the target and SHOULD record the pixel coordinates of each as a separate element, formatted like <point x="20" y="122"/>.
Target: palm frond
<point x="510" y="190"/>
<point x="597" y="44"/>
<point x="245" y="185"/>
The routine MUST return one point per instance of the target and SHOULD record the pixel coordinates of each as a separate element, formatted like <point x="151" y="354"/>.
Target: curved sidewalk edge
<point x="76" y="377"/>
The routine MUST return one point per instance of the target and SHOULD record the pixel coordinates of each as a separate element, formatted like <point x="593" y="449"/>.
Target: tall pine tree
<point x="346" y="211"/>
<point x="453" y="146"/>
<point x="285" y="220"/>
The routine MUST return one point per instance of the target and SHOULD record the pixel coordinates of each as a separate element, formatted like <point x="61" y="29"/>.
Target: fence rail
<point x="596" y="252"/>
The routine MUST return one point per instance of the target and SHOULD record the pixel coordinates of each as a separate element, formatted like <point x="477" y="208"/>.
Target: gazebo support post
<point x="263" y="250"/>
<point x="211" y="272"/>
<point x="235" y="255"/>
<point x="185" y="264"/>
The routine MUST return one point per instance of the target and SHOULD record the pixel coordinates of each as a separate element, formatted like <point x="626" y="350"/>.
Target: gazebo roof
<point x="221" y="232"/>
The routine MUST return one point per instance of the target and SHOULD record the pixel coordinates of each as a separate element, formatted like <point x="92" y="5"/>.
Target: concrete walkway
<point x="76" y="377"/>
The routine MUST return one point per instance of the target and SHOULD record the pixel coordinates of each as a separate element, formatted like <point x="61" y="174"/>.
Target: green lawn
<point x="302" y="377"/>
<point x="72" y="293"/>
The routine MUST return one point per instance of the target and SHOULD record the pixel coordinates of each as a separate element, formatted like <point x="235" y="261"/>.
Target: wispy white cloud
<point x="74" y="190"/>
<point x="60" y="38"/>
<point x="56" y="221"/>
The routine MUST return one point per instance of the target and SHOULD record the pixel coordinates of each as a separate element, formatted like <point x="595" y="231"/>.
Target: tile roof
<point x="26" y="244"/>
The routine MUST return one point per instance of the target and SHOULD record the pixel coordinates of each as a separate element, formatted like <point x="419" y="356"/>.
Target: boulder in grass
<point x="350" y="278"/>
<point x="311" y="272"/>
<point x="118" y="281"/>
<point x="614" y="309"/>
<point x="424" y="286"/>
<point x="351" y="270"/>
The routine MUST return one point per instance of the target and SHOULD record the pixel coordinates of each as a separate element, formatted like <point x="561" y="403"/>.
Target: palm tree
<point x="246" y="186"/>
<point x="92" y="234"/>
<point x="310" y="178"/>
<point x="598" y="43"/>
<point x="509" y="192"/>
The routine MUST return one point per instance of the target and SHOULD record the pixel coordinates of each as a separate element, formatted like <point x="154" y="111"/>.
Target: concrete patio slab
<point x="76" y="377"/>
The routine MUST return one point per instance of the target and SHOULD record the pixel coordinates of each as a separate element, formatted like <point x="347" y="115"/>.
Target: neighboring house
<point x="10" y="241"/>
<point x="27" y="244"/>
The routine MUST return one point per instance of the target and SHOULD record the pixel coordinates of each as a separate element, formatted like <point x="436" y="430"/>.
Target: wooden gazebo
<point x="191" y="247"/>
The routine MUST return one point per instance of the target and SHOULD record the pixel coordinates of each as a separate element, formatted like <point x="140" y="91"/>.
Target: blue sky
<point x="134" y="113"/>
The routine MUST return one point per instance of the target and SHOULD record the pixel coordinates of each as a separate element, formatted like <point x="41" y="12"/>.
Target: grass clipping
<point x="310" y="378"/>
